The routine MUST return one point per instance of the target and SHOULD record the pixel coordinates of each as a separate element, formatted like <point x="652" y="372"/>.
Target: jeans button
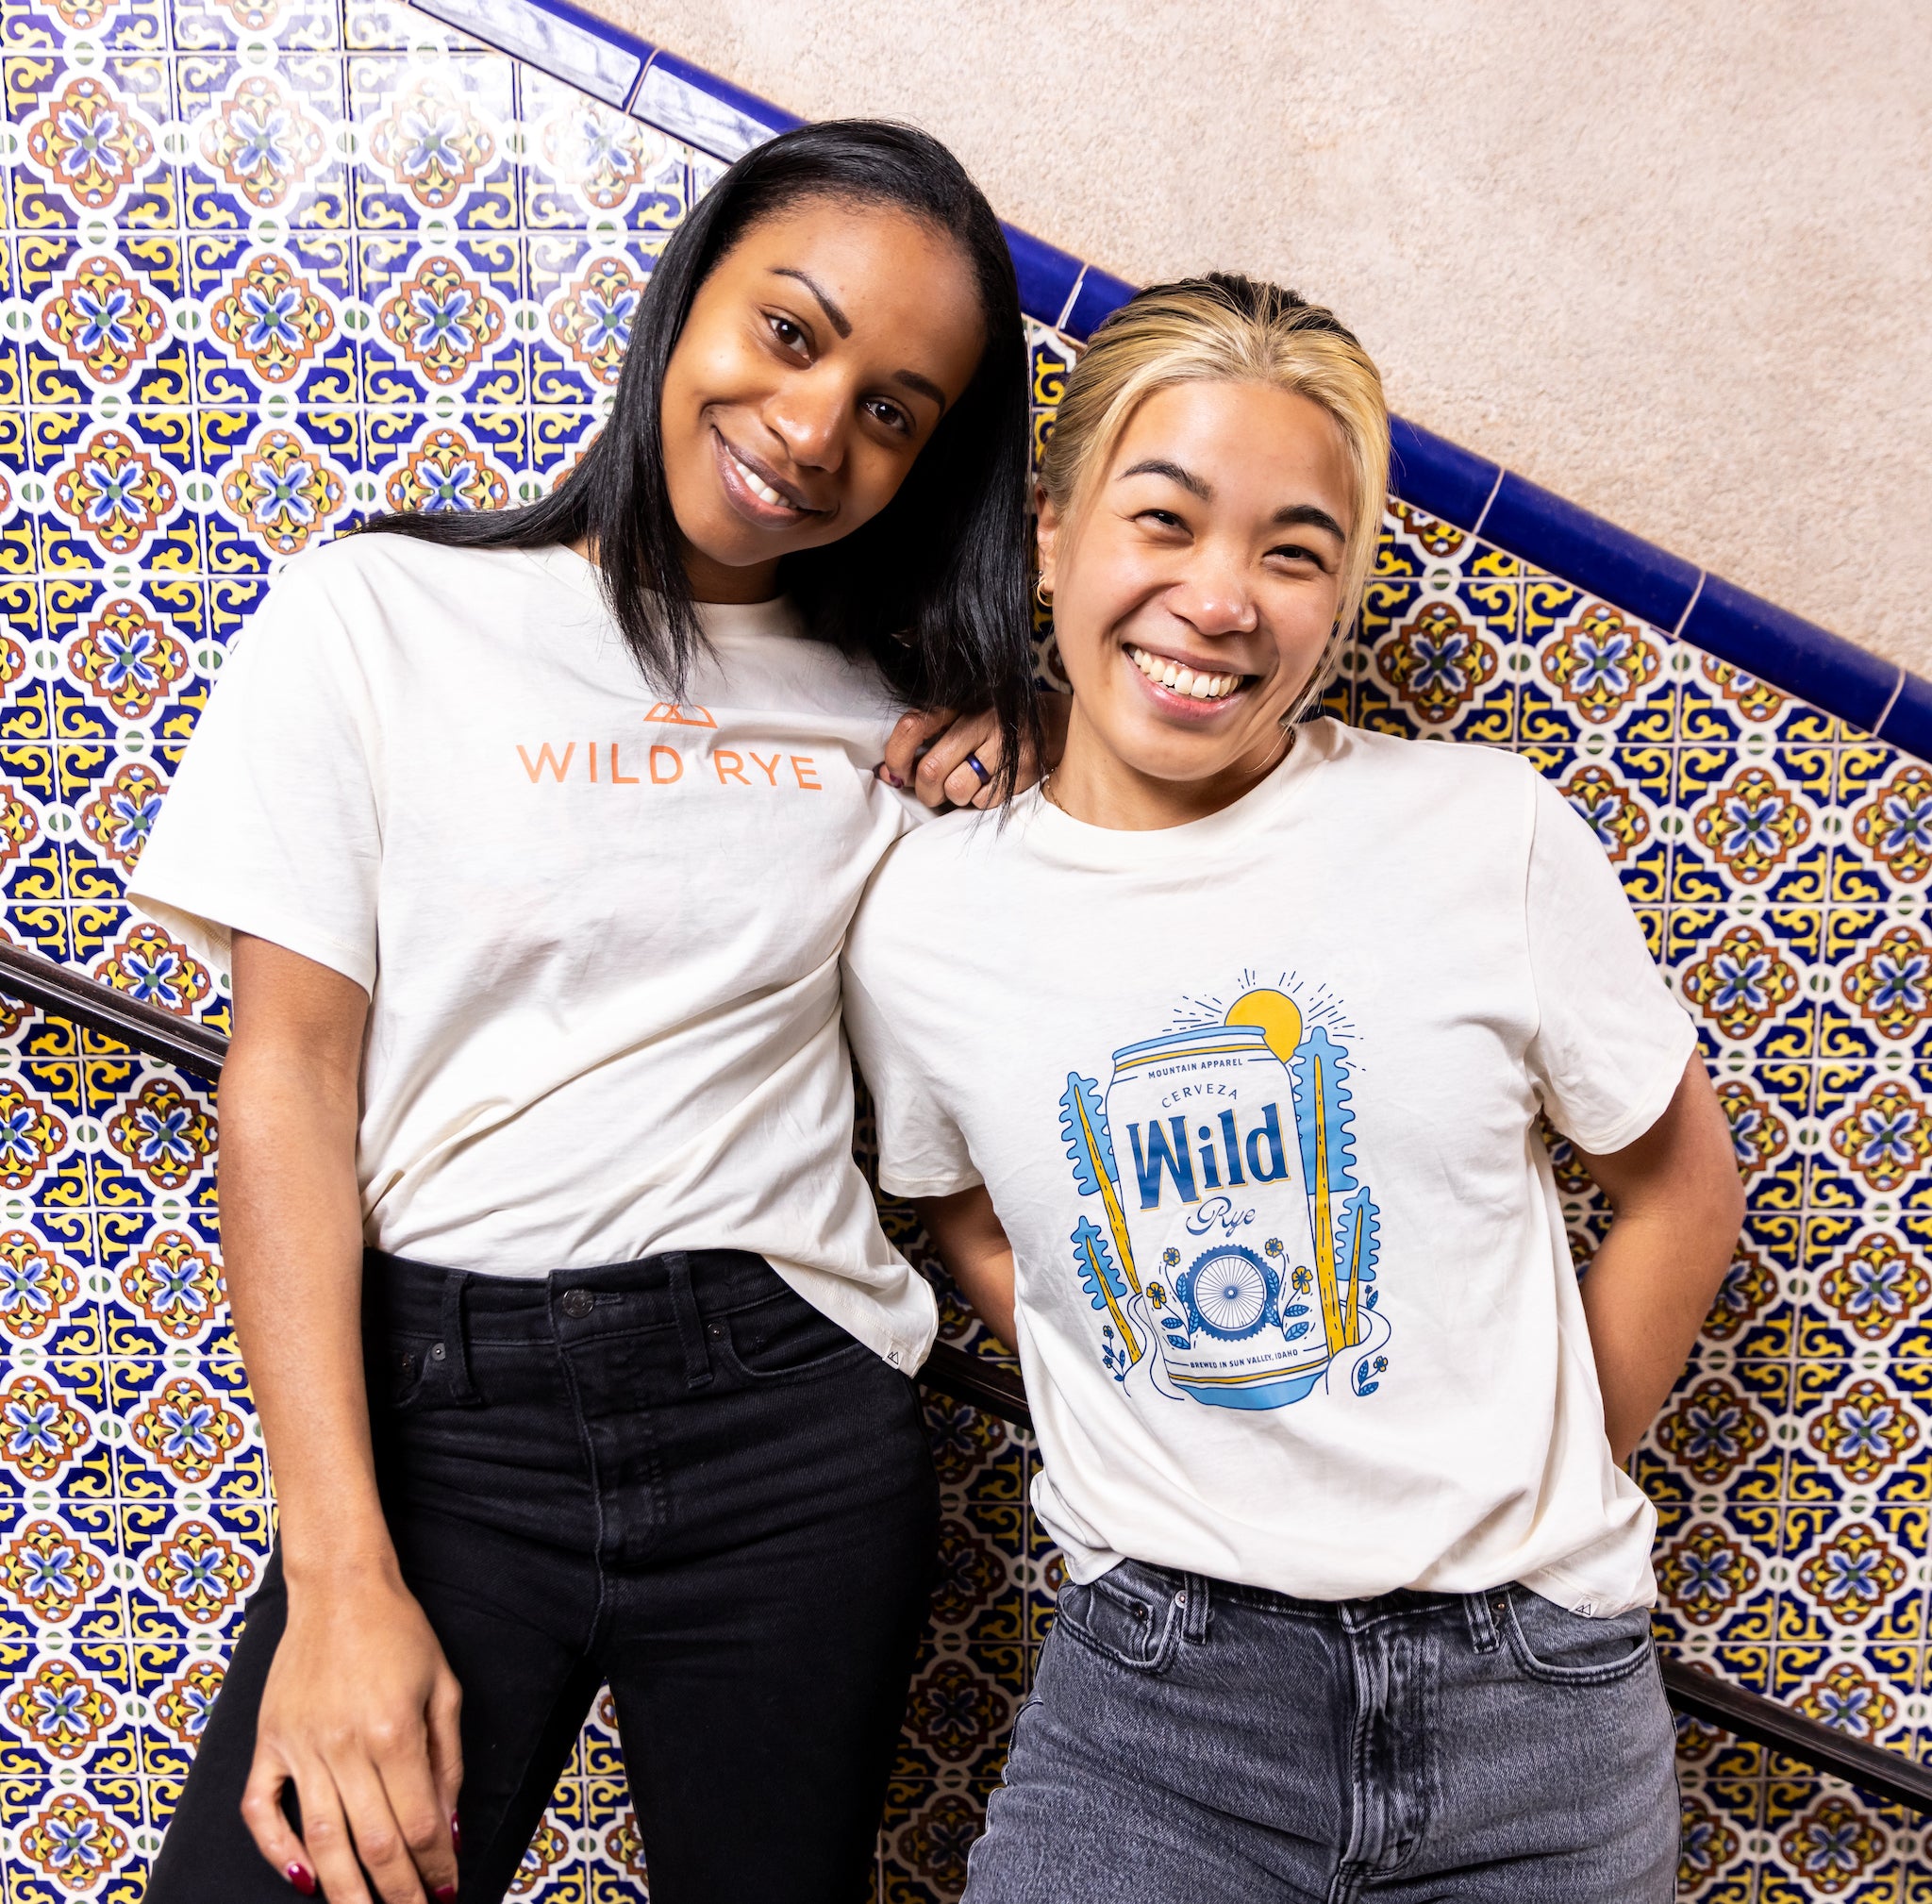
<point x="578" y="1303"/>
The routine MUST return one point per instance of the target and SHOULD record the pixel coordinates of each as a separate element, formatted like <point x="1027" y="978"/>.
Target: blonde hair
<point x="1232" y="329"/>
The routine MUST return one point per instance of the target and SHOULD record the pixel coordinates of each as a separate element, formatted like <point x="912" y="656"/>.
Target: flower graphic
<point x="88" y="142"/>
<point x="442" y="321"/>
<point x="262" y="142"/>
<point x="1601" y="663"/>
<point x="127" y="660"/>
<point x="1438" y="662"/>
<point x="284" y="489"/>
<point x="1741" y="984"/>
<point x="592" y="319"/>
<point x="174" y="1283"/>
<point x="46" y="1570"/>
<point x="271" y="318"/>
<point x="1876" y="1285"/>
<point x="431" y="142"/>
<point x="40" y="1430"/>
<point x="1712" y="1431"/>
<point x="1886" y="1137"/>
<point x="1889" y="984"/>
<point x="1895" y="823"/>
<point x="122" y="812"/>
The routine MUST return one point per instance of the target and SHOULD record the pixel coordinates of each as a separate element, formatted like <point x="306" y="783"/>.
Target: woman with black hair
<point x="530" y="841"/>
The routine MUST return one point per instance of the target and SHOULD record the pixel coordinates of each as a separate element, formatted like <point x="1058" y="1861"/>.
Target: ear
<point x="1047" y="533"/>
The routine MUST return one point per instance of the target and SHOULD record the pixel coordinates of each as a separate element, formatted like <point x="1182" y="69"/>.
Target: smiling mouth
<point x="758" y="480"/>
<point x="1194" y="685"/>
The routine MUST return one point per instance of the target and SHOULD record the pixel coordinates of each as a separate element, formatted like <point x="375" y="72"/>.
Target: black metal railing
<point x="951" y="1372"/>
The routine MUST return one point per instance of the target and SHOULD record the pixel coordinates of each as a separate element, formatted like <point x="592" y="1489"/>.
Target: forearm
<point x="292" y="1244"/>
<point x="1679" y="1208"/>
<point x="1647" y="1295"/>
<point x="977" y="1254"/>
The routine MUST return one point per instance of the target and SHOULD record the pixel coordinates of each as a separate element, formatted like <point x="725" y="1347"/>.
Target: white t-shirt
<point x="600" y="932"/>
<point x="1255" y="1101"/>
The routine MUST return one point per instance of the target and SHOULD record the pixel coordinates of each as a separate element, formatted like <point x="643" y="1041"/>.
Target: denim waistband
<point x="1198" y="1595"/>
<point x="649" y="1293"/>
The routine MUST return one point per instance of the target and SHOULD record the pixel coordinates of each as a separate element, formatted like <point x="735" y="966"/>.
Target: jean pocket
<point x="784" y="1335"/>
<point x="1561" y="1647"/>
<point x="1125" y="1616"/>
<point x="411" y="1374"/>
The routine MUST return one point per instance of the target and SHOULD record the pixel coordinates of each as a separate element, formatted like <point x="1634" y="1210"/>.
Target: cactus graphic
<point x="1102" y="1281"/>
<point x="1325" y="1125"/>
<point x="1090" y="1147"/>
<point x="1361" y="1242"/>
<point x="1322" y="1101"/>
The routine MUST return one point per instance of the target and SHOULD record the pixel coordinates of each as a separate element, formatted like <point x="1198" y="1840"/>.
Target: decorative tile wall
<point x="268" y="264"/>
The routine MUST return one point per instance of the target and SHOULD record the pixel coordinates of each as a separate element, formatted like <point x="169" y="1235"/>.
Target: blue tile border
<point x="1427" y="470"/>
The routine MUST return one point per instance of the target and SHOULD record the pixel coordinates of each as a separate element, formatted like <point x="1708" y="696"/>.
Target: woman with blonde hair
<point x="1221" y="1108"/>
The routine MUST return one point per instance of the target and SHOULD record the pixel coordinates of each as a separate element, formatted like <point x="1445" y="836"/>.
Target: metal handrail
<point x="984" y="1385"/>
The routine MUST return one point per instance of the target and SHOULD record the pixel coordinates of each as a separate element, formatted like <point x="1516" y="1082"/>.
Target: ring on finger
<point x="978" y="766"/>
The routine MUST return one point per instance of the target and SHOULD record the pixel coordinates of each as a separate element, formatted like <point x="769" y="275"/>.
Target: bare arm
<point x="975" y="1251"/>
<point x="1679" y="1208"/>
<point x="360" y="1710"/>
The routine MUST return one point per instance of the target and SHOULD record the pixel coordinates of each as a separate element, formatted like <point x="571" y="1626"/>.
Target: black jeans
<point x="675" y="1474"/>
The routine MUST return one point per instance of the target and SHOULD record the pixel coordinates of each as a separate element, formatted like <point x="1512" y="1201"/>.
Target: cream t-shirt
<point x="1254" y="1099"/>
<point x="600" y="932"/>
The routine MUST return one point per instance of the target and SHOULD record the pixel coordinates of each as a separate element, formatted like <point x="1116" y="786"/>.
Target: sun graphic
<point x="1276" y="1013"/>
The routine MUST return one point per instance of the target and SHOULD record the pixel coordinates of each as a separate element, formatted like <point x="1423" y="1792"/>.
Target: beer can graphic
<point x="1236" y="1242"/>
<point x="1217" y="1213"/>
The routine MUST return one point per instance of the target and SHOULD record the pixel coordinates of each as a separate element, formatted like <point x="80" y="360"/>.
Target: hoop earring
<point x="1042" y="594"/>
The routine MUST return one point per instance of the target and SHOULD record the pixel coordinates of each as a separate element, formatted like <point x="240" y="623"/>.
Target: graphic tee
<point x="1255" y="1100"/>
<point x="600" y="932"/>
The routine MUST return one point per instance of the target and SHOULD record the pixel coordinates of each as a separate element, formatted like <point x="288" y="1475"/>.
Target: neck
<point x="714" y="581"/>
<point x="1094" y="784"/>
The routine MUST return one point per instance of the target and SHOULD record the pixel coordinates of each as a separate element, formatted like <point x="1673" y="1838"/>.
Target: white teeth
<point x="1182" y="680"/>
<point x="756" y="484"/>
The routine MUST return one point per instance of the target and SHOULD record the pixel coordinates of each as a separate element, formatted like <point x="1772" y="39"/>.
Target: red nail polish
<point x="301" y="1878"/>
<point x="891" y="779"/>
<point x="444" y="1894"/>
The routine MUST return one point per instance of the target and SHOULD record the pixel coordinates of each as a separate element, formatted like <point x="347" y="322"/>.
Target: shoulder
<point x="937" y="873"/>
<point x="1461" y="770"/>
<point x="359" y="564"/>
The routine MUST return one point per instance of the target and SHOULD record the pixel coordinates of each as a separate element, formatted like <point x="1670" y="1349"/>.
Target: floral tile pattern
<point x="267" y="265"/>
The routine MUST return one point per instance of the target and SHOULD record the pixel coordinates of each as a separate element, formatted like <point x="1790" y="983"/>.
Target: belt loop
<point x="691" y="1325"/>
<point x="453" y="1348"/>
<point x="1194" y="1615"/>
<point x="1478" y="1609"/>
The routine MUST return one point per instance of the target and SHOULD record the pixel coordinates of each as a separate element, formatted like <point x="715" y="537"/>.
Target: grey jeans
<point x="1187" y="1740"/>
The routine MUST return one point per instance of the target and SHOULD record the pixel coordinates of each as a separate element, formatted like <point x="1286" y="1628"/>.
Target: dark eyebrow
<point x="1307" y="516"/>
<point x="1172" y="471"/>
<point x="924" y="386"/>
<point x="838" y="319"/>
<point x="842" y="325"/>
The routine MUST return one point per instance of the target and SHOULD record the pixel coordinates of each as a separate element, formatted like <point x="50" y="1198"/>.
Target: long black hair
<point x="934" y="587"/>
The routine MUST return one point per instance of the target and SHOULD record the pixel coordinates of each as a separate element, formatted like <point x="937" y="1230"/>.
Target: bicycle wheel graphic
<point x="1230" y="1293"/>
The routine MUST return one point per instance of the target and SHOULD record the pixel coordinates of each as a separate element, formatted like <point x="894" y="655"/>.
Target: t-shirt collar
<point x="1056" y="834"/>
<point x="720" y="621"/>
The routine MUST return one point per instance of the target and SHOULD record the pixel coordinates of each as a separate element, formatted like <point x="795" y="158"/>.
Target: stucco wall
<point x="1672" y="261"/>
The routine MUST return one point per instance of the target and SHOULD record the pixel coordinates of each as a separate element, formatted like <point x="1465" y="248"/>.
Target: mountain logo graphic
<point x="672" y="714"/>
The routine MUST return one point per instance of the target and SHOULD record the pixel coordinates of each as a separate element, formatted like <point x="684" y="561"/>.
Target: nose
<point x="1212" y="595"/>
<point x="807" y="414"/>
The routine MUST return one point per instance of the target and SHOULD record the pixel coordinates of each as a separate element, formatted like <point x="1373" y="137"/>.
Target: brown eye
<point x="788" y="333"/>
<point x="890" y="415"/>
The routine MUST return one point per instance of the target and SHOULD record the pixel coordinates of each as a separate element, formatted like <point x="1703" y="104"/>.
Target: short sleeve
<point x="921" y="1151"/>
<point x="271" y="826"/>
<point x="1611" y="1044"/>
